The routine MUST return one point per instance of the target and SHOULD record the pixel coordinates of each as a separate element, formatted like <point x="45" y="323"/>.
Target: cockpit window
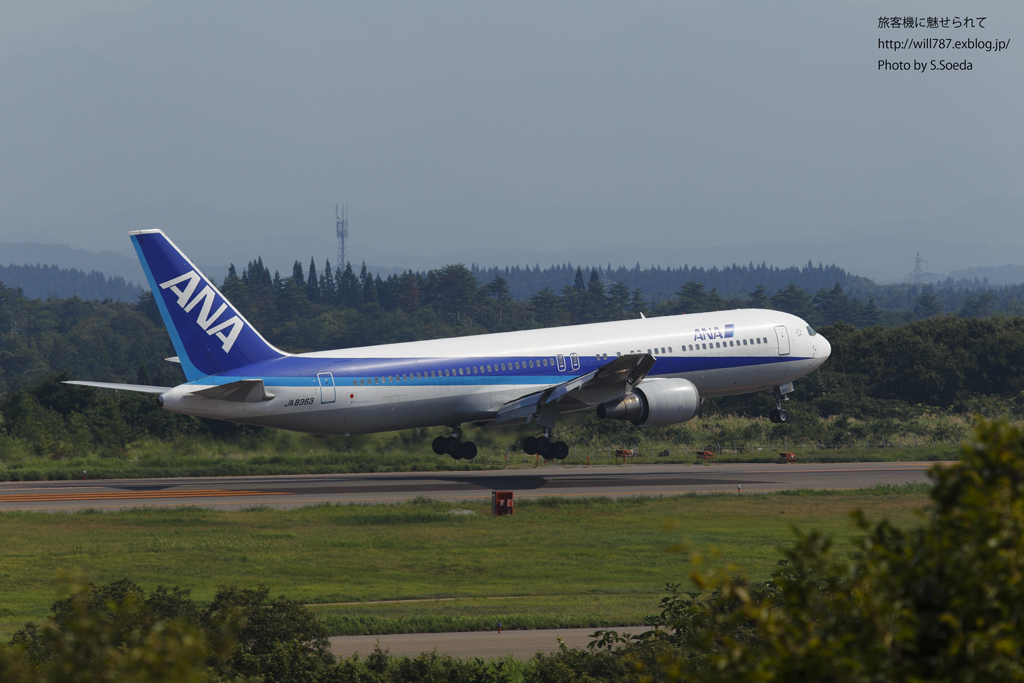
<point x="810" y="331"/>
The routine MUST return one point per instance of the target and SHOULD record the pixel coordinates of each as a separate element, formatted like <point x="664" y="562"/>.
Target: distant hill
<point x="40" y="282"/>
<point x="994" y="275"/>
<point x="108" y="262"/>
<point x="661" y="284"/>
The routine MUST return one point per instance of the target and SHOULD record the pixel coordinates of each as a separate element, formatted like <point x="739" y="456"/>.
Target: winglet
<point x="209" y="334"/>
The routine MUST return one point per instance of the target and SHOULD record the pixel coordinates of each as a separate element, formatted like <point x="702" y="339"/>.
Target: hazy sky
<point x="522" y="127"/>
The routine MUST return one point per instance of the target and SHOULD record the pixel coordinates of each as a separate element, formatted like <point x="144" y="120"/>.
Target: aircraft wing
<point x="611" y="381"/>
<point x="140" y="388"/>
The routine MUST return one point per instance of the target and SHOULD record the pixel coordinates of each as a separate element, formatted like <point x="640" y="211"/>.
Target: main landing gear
<point x="454" y="445"/>
<point x="779" y="415"/>
<point x="543" y="445"/>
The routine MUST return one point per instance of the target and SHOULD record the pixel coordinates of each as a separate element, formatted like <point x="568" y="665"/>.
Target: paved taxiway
<point x="484" y="644"/>
<point x="288" y="491"/>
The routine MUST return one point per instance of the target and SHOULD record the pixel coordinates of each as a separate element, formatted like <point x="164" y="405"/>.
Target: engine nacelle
<point x="655" y="403"/>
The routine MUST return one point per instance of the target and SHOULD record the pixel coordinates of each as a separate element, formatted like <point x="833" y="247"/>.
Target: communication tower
<point x="919" y="272"/>
<point x="341" y="227"/>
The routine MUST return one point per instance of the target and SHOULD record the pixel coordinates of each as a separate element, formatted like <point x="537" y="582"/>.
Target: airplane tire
<point x="453" y="447"/>
<point x="468" y="450"/>
<point x="774" y="415"/>
<point x="560" y="450"/>
<point x="440" y="445"/>
<point x="530" y="445"/>
<point x="544" y="446"/>
<point x="782" y="416"/>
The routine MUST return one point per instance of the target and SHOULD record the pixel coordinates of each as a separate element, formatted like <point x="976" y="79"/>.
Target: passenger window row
<point x="538" y="363"/>
<point x="721" y="345"/>
<point x="455" y="372"/>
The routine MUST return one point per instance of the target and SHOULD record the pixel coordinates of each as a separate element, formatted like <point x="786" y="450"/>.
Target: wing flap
<point x="613" y="380"/>
<point x="520" y="410"/>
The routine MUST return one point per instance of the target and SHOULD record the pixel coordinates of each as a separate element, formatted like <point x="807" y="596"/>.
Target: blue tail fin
<point x="208" y="333"/>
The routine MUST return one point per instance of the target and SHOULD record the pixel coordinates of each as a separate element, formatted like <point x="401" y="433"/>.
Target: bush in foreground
<point x="942" y="602"/>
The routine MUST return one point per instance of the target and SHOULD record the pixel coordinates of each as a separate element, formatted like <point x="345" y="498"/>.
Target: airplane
<point x="649" y="371"/>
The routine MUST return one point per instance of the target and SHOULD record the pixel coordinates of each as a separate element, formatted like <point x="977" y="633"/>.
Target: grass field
<point x="570" y="562"/>
<point x="734" y="439"/>
<point x="421" y="459"/>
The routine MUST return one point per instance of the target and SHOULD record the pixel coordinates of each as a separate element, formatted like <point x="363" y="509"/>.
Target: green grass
<point x="38" y="469"/>
<point x="734" y="439"/>
<point x="480" y="614"/>
<point x="580" y="561"/>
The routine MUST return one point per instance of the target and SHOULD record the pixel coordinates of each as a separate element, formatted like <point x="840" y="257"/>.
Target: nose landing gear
<point x="454" y="445"/>
<point x="779" y="415"/>
<point x="544" y="446"/>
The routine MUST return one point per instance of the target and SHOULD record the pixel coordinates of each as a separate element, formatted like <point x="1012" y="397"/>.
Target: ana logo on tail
<point x="208" y="298"/>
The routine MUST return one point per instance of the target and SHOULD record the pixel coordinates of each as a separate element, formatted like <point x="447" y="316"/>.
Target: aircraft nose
<point x="824" y="348"/>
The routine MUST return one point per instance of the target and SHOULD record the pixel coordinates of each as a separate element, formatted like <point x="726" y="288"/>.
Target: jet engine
<point x="655" y="403"/>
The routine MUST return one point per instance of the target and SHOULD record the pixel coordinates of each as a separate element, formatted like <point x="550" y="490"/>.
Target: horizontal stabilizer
<point x="242" y="391"/>
<point x="140" y="388"/>
<point x="173" y="359"/>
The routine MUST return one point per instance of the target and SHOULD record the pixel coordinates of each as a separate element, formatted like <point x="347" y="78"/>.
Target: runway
<point x="289" y="491"/>
<point x="483" y="644"/>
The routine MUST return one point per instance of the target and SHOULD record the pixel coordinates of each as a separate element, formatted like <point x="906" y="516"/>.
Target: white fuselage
<point x="467" y="379"/>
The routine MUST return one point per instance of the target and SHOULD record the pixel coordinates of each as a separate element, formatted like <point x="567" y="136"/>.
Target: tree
<point x="328" y="290"/>
<point x="313" y="283"/>
<point x="350" y="290"/>
<point x="260" y="288"/>
<point x="409" y="293"/>
<point x="691" y="298"/>
<point x="758" y="298"/>
<point x="368" y="286"/>
<point x="115" y="632"/>
<point x="597" y="300"/>
<point x="618" y="299"/>
<point x="577" y="283"/>
<point x="455" y="293"/>
<point x="940" y="602"/>
<point x="927" y="305"/>
<point x="980" y="307"/>
<point x="497" y="290"/>
<point x="637" y="304"/>
<point x="547" y="308"/>
<point x="795" y="300"/>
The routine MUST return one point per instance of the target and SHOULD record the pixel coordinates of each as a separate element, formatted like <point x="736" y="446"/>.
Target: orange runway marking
<point x="129" y="495"/>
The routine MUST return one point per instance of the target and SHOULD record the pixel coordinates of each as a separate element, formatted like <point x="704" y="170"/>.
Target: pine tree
<point x="596" y="299"/>
<point x="619" y="299"/>
<point x="313" y="284"/>
<point x="547" y="308"/>
<point x="369" y="287"/>
<point x="328" y="292"/>
<point x="578" y="280"/>
<point x="927" y="305"/>
<point x="637" y="303"/>
<point x="350" y="289"/>
<point x="497" y="290"/>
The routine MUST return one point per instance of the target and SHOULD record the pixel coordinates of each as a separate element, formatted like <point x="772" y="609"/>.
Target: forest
<point x="40" y="282"/>
<point x="897" y="303"/>
<point x="950" y="363"/>
<point x="306" y="310"/>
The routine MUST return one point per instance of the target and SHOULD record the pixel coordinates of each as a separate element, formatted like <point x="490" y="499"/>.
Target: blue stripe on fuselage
<point x="298" y="371"/>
